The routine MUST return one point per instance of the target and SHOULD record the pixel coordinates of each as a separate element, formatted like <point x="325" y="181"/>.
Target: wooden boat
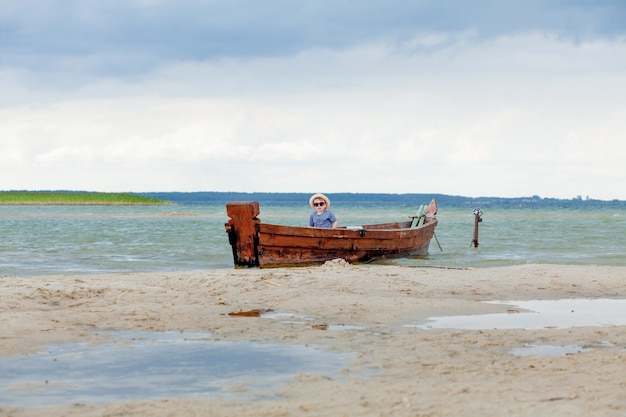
<point x="258" y="244"/>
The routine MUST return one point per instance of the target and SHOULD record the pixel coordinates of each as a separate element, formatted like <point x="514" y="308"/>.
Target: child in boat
<point x="321" y="217"/>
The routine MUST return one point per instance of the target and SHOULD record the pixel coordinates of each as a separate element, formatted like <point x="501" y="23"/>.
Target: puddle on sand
<point x="338" y="327"/>
<point x="548" y="350"/>
<point x="139" y="366"/>
<point x="286" y="317"/>
<point x="290" y="318"/>
<point x="541" y="314"/>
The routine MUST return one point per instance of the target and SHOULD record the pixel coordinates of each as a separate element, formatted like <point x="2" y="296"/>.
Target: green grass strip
<point x="75" y="198"/>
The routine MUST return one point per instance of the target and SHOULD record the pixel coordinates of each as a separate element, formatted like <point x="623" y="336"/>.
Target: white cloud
<point x="442" y="112"/>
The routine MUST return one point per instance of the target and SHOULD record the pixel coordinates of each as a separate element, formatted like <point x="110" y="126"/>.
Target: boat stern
<point x="243" y="233"/>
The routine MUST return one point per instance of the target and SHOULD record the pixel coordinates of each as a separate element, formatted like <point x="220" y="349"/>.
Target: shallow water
<point x="157" y="365"/>
<point x="548" y="350"/>
<point x="539" y="314"/>
<point x="290" y="318"/>
<point x="43" y="240"/>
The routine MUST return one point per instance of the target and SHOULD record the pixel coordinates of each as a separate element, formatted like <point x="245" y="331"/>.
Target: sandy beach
<point x="395" y="368"/>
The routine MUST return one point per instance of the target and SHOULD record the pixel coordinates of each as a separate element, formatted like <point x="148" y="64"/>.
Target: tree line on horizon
<point x="217" y="197"/>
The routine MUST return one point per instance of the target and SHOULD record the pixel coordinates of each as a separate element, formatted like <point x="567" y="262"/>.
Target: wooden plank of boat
<point x="268" y="245"/>
<point x="417" y="216"/>
<point x="422" y="218"/>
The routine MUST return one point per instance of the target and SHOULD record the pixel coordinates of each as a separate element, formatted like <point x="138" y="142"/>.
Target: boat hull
<point x="264" y="245"/>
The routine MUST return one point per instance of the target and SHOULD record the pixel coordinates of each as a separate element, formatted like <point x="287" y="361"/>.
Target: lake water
<point x="44" y="240"/>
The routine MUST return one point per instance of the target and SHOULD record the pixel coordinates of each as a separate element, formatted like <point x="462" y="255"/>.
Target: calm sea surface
<point x="44" y="240"/>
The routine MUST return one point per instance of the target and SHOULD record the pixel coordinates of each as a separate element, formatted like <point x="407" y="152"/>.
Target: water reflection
<point x="157" y="365"/>
<point x="539" y="314"/>
<point x="548" y="350"/>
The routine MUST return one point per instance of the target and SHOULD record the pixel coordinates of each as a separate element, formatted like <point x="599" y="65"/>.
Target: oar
<point x="417" y="217"/>
<point x="422" y="216"/>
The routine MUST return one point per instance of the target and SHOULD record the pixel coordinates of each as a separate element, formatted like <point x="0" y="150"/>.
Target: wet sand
<point x="396" y="369"/>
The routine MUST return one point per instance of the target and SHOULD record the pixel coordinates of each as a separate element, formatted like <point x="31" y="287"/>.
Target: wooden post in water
<point x="477" y="219"/>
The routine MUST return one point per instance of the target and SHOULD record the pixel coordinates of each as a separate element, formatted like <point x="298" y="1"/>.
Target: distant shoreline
<point x="38" y="198"/>
<point x="366" y="199"/>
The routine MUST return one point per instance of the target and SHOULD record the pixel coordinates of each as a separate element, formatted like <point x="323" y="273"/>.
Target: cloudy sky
<point x="472" y="98"/>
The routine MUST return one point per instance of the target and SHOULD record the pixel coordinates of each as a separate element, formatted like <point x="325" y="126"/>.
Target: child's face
<point x="319" y="205"/>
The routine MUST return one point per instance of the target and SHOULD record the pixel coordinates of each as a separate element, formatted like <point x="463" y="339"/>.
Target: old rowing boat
<point x="258" y="244"/>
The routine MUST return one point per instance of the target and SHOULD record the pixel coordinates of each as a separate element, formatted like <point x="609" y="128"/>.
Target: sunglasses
<point x="320" y="204"/>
